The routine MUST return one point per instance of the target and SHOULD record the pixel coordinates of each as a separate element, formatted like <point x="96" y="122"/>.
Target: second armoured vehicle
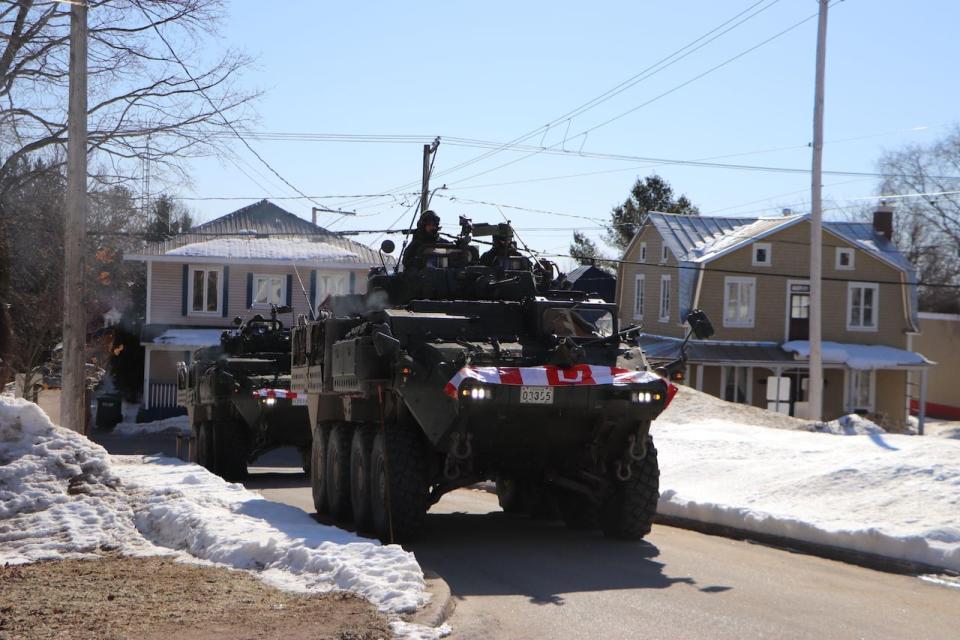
<point x="451" y="372"/>
<point x="237" y="395"/>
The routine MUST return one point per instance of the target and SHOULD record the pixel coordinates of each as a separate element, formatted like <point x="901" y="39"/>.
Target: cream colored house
<point x="939" y="336"/>
<point x="750" y="276"/>
<point x="236" y="265"/>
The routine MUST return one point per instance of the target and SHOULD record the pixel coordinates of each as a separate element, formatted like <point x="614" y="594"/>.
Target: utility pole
<point x="428" y="150"/>
<point x="815" y="382"/>
<point x="72" y="402"/>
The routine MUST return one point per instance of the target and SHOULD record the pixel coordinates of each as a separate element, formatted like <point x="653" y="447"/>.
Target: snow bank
<point x="892" y="495"/>
<point x="175" y="424"/>
<point x="182" y="506"/>
<point x="857" y="356"/>
<point x="63" y="496"/>
<point x="850" y="425"/>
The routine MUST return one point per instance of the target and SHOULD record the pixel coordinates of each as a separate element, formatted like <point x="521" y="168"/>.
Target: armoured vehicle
<point x="450" y="373"/>
<point x="238" y="397"/>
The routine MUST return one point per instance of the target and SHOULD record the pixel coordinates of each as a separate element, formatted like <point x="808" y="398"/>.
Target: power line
<point x="176" y="57"/>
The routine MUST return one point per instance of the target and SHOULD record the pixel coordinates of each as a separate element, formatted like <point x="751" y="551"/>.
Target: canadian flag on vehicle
<point x="550" y="376"/>
<point x="274" y="393"/>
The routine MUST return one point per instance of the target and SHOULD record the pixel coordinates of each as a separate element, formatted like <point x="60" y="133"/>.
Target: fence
<point x="162" y="395"/>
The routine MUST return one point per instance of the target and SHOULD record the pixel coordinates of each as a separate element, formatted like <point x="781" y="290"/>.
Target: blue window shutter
<point x="353" y="282"/>
<point x="226" y="290"/>
<point x="313" y="290"/>
<point x="186" y="282"/>
<point x="249" y="290"/>
<point x="289" y="301"/>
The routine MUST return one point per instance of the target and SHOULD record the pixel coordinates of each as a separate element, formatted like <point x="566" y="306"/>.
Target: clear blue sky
<point x="496" y="70"/>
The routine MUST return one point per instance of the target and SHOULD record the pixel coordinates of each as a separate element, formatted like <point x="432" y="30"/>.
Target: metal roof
<point x="716" y="351"/>
<point x="265" y="220"/>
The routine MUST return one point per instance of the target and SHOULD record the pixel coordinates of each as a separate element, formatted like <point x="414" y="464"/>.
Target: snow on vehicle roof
<point x="265" y="248"/>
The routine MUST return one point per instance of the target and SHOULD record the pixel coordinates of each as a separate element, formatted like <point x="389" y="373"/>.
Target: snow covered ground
<point x="892" y="495"/>
<point x="175" y="424"/>
<point x="62" y="496"/>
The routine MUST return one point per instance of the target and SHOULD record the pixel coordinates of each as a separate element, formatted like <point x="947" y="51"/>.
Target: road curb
<point x="441" y="605"/>
<point x="840" y="554"/>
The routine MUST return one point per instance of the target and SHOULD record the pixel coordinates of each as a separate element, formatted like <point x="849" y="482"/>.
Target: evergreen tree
<point x="652" y="193"/>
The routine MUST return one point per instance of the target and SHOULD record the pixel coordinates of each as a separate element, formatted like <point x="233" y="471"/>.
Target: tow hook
<point x="461" y="450"/>
<point x="624" y="471"/>
<point x="635" y="455"/>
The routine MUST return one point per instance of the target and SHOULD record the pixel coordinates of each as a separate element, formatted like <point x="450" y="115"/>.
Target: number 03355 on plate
<point x="536" y="395"/>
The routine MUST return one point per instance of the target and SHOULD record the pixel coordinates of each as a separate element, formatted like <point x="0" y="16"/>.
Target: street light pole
<point x="815" y="382"/>
<point x="72" y="410"/>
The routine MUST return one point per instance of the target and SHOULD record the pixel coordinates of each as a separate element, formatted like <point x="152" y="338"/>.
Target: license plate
<point x="536" y="395"/>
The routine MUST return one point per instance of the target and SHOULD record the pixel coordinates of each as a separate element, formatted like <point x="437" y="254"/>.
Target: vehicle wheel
<point x="360" y="450"/>
<point x="230" y="451"/>
<point x="540" y="501"/>
<point x="318" y="467"/>
<point x="578" y="512"/>
<point x="338" y="471"/>
<point x="204" y="452"/>
<point x="628" y="514"/>
<point x="509" y="496"/>
<point x="398" y="483"/>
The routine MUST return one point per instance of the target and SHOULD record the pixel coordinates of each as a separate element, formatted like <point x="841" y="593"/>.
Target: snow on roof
<point x="859" y="356"/>
<point x="66" y="497"/>
<point x="294" y="249"/>
<point x="189" y="337"/>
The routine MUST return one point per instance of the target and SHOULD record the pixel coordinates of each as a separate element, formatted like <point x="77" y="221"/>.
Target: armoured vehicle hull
<point x="238" y="399"/>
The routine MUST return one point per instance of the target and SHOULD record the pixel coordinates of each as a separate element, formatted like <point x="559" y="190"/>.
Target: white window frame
<point x="270" y="276"/>
<point x="844" y="251"/>
<point x="643" y="252"/>
<point x="768" y="248"/>
<point x="206" y="269"/>
<point x="666" y="296"/>
<point x="664" y="253"/>
<point x="639" y="295"/>
<point x="751" y="302"/>
<point x="876" y="306"/>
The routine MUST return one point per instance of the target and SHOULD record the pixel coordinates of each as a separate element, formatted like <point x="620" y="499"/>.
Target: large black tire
<point x="318" y="467"/>
<point x="204" y="453"/>
<point x="361" y="447"/>
<point x="230" y="451"/>
<point x="338" y="471"/>
<point x="629" y="512"/>
<point x="305" y="453"/>
<point x="541" y="502"/>
<point x="399" y="480"/>
<point x="510" y="496"/>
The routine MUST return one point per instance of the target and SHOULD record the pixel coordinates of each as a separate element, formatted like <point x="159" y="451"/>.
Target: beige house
<point x="750" y="276"/>
<point x="939" y="336"/>
<point x="237" y="265"/>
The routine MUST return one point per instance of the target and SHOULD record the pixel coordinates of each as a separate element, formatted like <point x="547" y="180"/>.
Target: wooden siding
<point x="790" y="257"/>
<point x="890" y="403"/>
<point x="939" y="340"/>
<point x="652" y="270"/>
<point x="166" y="292"/>
<point x="163" y="365"/>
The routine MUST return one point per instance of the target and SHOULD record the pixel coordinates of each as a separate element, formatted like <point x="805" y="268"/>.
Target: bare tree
<point x="928" y="228"/>
<point x="144" y="104"/>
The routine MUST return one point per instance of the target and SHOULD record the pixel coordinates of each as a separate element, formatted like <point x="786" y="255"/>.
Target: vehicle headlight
<point x="270" y="402"/>
<point x="477" y="393"/>
<point x="645" y="397"/>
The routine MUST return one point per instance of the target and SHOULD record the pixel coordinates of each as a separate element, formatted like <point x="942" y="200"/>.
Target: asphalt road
<point x="516" y="578"/>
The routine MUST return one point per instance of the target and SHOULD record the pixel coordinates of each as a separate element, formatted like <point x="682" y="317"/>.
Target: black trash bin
<point x="109" y="412"/>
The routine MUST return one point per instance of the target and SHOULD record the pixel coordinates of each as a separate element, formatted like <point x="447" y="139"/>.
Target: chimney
<point x="883" y="220"/>
<point x="313" y="210"/>
<point x="787" y="212"/>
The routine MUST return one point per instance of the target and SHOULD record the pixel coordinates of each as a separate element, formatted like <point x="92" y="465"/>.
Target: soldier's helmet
<point x="429" y="223"/>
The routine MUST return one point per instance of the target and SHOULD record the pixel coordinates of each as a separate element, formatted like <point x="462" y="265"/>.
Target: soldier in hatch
<point x="427" y="233"/>
<point x="500" y="253"/>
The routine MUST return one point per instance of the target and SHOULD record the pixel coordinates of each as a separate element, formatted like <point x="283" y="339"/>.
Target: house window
<point x="860" y="392"/>
<point x="639" y="294"/>
<point x="269" y="289"/>
<point x="664" y="253"/>
<point x="664" y="298"/>
<point x="844" y="259"/>
<point x="862" y="306"/>
<point x="643" y="252"/>
<point x="761" y="254"/>
<point x="739" y="301"/>
<point x="205" y="294"/>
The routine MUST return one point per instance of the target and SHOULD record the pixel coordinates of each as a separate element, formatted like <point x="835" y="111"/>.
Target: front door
<point x="799" y="295"/>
